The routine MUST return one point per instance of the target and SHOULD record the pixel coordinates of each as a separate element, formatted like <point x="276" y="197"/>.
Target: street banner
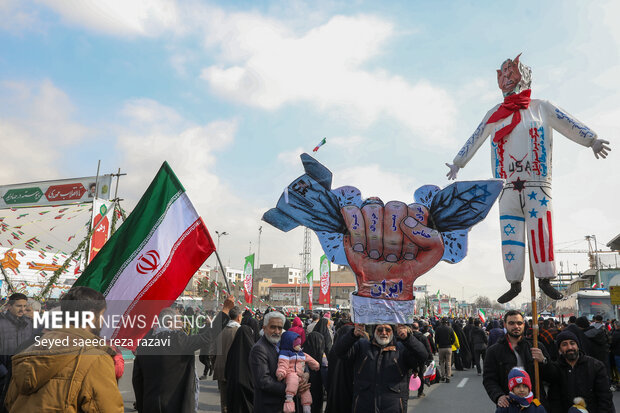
<point x="310" y="279"/>
<point x="58" y="192"/>
<point x="326" y="274"/>
<point x="147" y="263"/>
<point x="248" y="278"/>
<point x="100" y="221"/>
<point x="419" y="288"/>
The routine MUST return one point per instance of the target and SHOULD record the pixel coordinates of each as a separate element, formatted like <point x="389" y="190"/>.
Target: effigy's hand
<point x="389" y="246"/>
<point x="454" y="170"/>
<point x="601" y="148"/>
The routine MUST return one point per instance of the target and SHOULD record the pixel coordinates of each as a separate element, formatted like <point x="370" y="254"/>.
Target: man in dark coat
<point x="479" y="342"/>
<point x="164" y="377"/>
<point x="512" y="350"/>
<point x="381" y="367"/>
<point x="577" y="375"/>
<point x="269" y="393"/>
<point x="444" y="338"/>
<point x="15" y="333"/>
<point x="598" y="339"/>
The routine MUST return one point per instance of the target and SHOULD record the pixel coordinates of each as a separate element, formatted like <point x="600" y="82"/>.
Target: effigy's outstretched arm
<point x="575" y="130"/>
<point x="470" y="147"/>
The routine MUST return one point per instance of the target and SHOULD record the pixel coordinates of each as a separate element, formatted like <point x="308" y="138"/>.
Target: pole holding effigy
<point x="534" y="327"/>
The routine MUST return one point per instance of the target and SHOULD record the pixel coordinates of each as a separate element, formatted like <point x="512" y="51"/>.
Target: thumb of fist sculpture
<point x="389" y="246"/>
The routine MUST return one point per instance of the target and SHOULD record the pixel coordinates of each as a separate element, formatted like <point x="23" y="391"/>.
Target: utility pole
<point x="306" y="257"/>
<point x="217" y="288"/>
<point x="260" y="231"/>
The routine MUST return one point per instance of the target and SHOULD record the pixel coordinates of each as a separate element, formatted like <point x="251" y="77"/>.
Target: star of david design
<point x="532" y="195"/>
<point x="518" y="185"/>
<point x="510" y="257"/>
<point x="533" y="213"/>
<point x="544" y="201"/>
<point x="479" y="191"/>
<point x="509" y="229"/>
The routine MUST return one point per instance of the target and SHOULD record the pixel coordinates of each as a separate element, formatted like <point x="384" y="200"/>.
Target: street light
<point x="217" y="288"/>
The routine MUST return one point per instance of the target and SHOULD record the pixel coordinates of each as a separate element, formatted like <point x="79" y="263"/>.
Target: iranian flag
<point x="482" y="316"/>
<point x="310" y="279"/>
<point x="248" y="278"/>
<point x="147" y="263"/>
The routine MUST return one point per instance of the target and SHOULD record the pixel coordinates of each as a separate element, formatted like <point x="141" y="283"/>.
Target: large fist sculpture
<point x="389" y="246"/>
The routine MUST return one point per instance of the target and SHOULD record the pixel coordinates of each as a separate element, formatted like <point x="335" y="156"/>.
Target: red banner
<point x="325" y="293"/>
<point x="102" y="231"/>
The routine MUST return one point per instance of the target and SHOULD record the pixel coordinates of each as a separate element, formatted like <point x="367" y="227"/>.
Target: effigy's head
<point x="513" y="76"/>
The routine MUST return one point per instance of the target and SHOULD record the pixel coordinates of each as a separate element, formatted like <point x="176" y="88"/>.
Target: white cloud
<point x="36" y="127"/>
<point x="372" y="180"/>
<point x="291" y="158"/>
<point x="15" y="16"/>
<point x="271" y="66"/>
<point x="120" y="17"/>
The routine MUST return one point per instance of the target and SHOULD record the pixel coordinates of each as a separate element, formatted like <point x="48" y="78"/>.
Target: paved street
<point x="464" y="394"/>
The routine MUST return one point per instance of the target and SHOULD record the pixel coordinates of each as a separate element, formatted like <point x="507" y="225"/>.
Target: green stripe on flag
<point x="135" y="232"/>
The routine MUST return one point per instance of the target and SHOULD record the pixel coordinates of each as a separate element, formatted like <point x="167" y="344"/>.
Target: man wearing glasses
<point x="512" y="350"/>
<point x="381" y="366"/>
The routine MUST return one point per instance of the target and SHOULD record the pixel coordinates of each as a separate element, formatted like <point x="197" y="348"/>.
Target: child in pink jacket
<point x="291" y="363"/>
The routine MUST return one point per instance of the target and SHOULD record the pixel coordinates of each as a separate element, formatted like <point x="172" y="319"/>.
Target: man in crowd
<point x="15" y="331"/>
<point x="511" y="350"/>
<point x="444" y="339"/>
<point x="576" y="375"/>
<point x="382" y="383"/>
<point x="224" y="341"/>
<point x="598" y="339"/>
<point x="69" y="378"/>
<point x="269" y="393"/>
<point x="315" y="319"/>
<point x="415" y="331"/>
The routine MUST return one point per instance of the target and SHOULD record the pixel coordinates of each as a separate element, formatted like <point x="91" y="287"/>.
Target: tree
<point x="483" y="302"/>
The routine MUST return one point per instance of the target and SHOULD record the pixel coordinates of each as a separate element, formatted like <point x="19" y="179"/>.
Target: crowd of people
<point x="307" y="362"/>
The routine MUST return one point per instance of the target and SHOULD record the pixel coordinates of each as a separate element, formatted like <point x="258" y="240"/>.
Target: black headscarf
<point x="240" y="398"/>
<point x="340" y="378"/>
<point x="315" y="348"/>
<point x="321" y="327"/>
<point x="250" y="321"/>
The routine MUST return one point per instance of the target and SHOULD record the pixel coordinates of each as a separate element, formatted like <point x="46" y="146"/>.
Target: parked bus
<point x="586" y="302"/>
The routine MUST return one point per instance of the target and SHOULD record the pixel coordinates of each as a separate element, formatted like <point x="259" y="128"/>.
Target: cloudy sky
<point x="230" y="93"/>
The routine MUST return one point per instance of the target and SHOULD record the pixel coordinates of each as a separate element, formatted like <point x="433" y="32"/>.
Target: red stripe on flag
<point x="541" y="240"/>
<point x="550" y="236"/>
<point x="187" y="255"/>
<point x="534" y="247"/>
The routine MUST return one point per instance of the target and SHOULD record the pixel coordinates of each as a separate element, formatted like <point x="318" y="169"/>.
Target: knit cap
<point x="566" y="335"/>
<point x="518" y="376"/>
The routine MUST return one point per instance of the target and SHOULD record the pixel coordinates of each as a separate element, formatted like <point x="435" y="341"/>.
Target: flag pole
<point x="534" y="325"/>
<point x="223" y="271"/>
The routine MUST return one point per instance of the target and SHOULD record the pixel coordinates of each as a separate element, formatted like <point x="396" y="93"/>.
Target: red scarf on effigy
<point x="512" y="104"/>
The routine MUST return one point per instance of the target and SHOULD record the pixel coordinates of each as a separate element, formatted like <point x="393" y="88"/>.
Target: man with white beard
<point x="269" y="393"/>
<point x="380" y="366"/>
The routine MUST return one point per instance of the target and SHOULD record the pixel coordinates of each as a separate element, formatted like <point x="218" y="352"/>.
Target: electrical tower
<point x="306" y="258"/>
